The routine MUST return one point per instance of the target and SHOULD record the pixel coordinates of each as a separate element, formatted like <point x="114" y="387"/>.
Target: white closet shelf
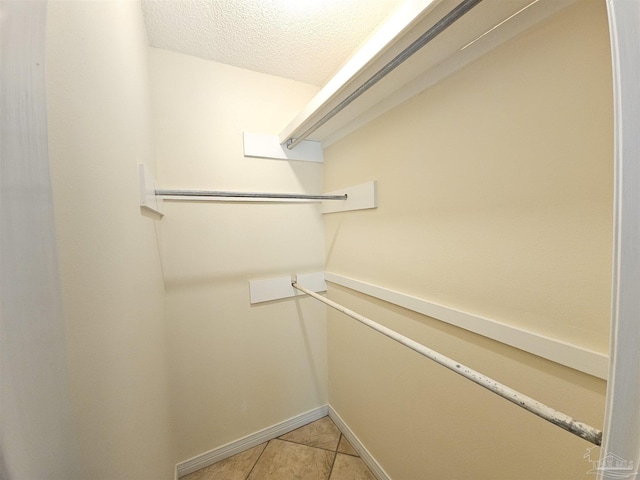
<point x="483" y="28"/>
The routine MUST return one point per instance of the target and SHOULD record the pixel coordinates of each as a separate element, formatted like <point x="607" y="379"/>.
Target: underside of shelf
<point x="482" y="29"/>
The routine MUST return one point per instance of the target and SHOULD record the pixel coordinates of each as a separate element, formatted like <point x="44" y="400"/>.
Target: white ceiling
<point x="304" y="40"/>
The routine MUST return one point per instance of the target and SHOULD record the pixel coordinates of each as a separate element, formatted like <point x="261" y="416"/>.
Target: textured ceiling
<point x="304" y="40"/>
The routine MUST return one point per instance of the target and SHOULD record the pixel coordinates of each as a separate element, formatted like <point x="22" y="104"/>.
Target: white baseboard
<point x="212" y="456"/>
<point x="217" y="454"/>
<point x="357" y="445"/>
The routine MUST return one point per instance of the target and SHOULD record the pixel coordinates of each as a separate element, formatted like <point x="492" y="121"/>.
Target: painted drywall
<point x="112" y="288"/>
<point x="37" y="438"/>
<point x="495" y="197"/>
<point x="235" y="368"/>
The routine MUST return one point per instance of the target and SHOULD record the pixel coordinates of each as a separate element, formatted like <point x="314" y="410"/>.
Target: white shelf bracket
<point x="278" y="288"/>
<point x="359" y="197"/>
<point x="149" y="201"/>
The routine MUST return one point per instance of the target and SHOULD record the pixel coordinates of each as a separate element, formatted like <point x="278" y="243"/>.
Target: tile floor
<point x="317" y="451"/>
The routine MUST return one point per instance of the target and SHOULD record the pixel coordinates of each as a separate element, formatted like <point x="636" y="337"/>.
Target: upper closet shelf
<point x="422" y="43"/>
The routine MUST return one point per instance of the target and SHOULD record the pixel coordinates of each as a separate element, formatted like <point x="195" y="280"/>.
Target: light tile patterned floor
<point x="317" y="451"/>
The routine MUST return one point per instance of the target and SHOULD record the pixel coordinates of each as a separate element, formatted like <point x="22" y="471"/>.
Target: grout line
<point x="356" y="454"/>
<point x="257" y="460"/>
<point x="335" y="457"/>
<point x="310" y="446"/>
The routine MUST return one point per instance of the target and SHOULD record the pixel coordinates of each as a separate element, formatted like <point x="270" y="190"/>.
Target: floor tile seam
<point x="310" y="446"/>
<point x="335" y="457"/>
<point x="333" y="462"/>
<point x="335" y="454"/>
<point x="356" y="455"/>
<point x="257" y="460"/>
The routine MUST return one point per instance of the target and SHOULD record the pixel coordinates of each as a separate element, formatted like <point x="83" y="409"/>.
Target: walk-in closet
<point x="420" y="261"/>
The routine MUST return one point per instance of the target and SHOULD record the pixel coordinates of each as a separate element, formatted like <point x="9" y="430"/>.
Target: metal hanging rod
<point x="439" y="27"/>
<point x="582" y="430"/>
<point x="277" y="196"/>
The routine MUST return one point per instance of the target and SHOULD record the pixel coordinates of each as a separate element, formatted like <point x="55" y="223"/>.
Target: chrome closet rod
<point x="439" y="27"/>
<point x="280" y="196"/>
<point x="582" y="430"/>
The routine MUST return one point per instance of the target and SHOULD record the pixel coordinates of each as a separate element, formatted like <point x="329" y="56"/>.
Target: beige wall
<point x="495" y="194"/>
<point x="113" y="299"/>
<point x="235" y="369"/>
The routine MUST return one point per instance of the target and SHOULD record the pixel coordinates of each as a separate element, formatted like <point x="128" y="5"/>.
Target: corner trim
<point x="232" y="448"/>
